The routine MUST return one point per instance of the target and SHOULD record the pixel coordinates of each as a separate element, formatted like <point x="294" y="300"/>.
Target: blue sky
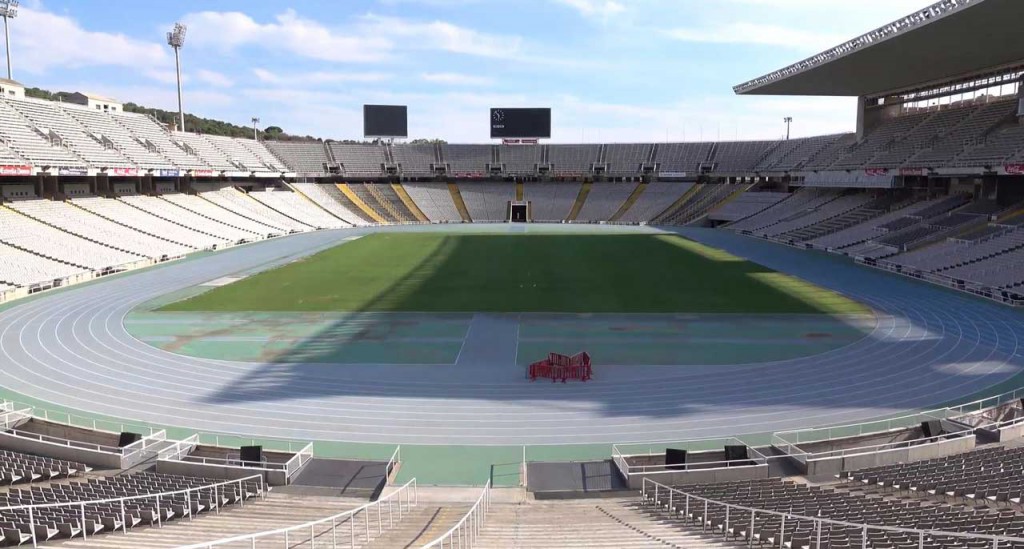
<point x="612" y="70"/>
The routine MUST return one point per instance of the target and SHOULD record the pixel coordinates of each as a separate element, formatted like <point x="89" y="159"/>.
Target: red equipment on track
<point x="562" y="367"/>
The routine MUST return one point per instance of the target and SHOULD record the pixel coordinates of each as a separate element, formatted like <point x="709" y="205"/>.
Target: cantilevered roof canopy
<point x="948" y="40"/>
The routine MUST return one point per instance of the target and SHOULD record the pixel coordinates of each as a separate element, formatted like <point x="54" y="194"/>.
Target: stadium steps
<point x="423" y="524"/>
<point x="581" y="199"/>
<point x="409" y="202"/>
<point x="730" y="198"/>
<point x="335" y="192"/>
<point x="278" y="511"/>
<point x="358" y="202"/>
<point x="222" y="222"/>
<point x="460" y="204"/>
<point x="520" y="192"/>
<point x="391" y="204"/>
<point x="678" y="204"/>
<point x="698" y="211"/>
<point x="633" y="197"/>
<point x="603" y="523"/>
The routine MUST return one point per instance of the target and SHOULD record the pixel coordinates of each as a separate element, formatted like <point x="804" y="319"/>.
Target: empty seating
<point x="741" y="156"/>
<point x="164" y="209"/>
<point x="242" y="152"/>
<point x="746" y="205"/>
<point x="76" y="220"/>
<point x="105" y="126"/>
<point x="520" y="159"/>
<point x="487" y="201"/>
<point x="298" y="207"/>
<point x="206" y="150"/>
<point x="359" y="160"/>
<point x="155" y="136"/>
<point x="468" y="160"/>
<point x="604" y="200"/>
<point x="302" y="157"/>
<point x="234" y="200"/>
<point x="205" y="208"/>
<point x="33" y="143"/>
<point x="656" y="198"/>
<point x="434" y="200"/>
<point x="21" y="268"/>
<point x="16" y="468"/>
<point x="329" y="198"/>
<point x="124" y="214"/>
<point x="682" y="157"/>
<point x="47" y="116"/>
<point x="39" y="238"/>
<point x="551" y="201"/>
<point x="415" y="160"/>
<point x="572" y="159"/>
<point x="626" y="159"/>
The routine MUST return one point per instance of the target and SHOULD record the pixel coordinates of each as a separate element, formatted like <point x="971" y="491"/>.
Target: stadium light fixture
<point x="255" y="132"/>
<point x="788" y="120"/>
<point x="8" y="10"/>
<point x="176" y="40"/>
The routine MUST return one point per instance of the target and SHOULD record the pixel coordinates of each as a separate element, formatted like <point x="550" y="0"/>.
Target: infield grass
<point x="570" y="273"/>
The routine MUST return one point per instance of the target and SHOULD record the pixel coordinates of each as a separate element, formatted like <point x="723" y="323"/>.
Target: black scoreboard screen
<point x="520" y="123"/>
<point x="385" y="121"/>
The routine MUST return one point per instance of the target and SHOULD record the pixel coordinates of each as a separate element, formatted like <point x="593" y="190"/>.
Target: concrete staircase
<point x="426" y="522"/>
<point x="594" y="523"/>
<point x="278" y="511"/>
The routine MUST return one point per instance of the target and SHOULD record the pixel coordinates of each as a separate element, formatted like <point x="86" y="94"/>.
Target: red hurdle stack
<point x="561" y="367"/>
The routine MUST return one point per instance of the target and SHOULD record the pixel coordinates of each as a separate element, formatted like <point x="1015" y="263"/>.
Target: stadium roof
<point x="948" y="40"/>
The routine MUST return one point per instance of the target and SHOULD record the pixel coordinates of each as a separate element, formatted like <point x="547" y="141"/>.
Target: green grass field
<point x="572" y="273"/>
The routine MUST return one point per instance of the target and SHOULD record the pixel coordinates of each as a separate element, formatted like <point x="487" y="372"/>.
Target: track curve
<point x="929" y="346"/>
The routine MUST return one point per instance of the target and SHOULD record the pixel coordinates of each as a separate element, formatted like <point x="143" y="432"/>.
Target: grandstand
<point x="927" y="190"/>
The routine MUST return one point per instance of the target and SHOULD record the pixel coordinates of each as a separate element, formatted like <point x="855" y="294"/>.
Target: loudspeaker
<point x="675" y="459"/>
<point x="128" y="438"/>
<point x="252" y="454"/>
<point x="736" y="453"/>
<point x="931" y="428"/>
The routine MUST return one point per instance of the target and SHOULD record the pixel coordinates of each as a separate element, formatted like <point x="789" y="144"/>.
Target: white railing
<point x="622" y="453"/>
<point x="179" y="449"/>
<point x="465" y="532"/>
<point x="677" y="499"/>
<point x="298" y="461"/>
<point x="396" y="459"/>
<point x="334" y="527"/>
<point x="163" y="502"/>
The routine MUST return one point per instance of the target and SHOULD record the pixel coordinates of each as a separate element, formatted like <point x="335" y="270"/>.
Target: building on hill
<point x="11" y="89"/>
<point x="93" y="101"/>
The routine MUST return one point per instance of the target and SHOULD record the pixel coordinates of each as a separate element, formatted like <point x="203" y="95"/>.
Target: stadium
<point x="211" y="341"/>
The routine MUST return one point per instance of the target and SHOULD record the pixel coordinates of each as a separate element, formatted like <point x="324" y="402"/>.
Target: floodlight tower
<point x="255" y="132"/>
<point x="176" y="40"/>
<point x="8" y="10"/>
<point x="788" y="120"/>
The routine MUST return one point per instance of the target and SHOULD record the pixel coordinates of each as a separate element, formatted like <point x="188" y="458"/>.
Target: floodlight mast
<point x="176" y="40"/>
<point x="255" y="132"/>
<point x="788" y="120"/>
<point x="8" y="10"/>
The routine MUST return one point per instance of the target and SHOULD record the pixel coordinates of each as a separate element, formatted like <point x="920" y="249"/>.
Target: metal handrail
<point x="411" y="500"/>
<point x="819" y="521"/>
<point x="396" y="458"/>
<point x="465" y="532"/>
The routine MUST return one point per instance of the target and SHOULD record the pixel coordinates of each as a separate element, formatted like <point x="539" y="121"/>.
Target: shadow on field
<point x="456" y="260"/>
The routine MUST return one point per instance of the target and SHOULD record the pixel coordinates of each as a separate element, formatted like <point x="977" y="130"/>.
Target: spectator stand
<point x="78" y="439"/>
<point x="202" y="455"/>
<point x="703" y="461"/>
<point x="563" y="368"/>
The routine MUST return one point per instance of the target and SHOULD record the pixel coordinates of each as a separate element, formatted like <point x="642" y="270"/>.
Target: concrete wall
<point x="942" y="448"/>
<point x="92" y="458"/>
<point x="225" y="472"/>
<point x="700" y="476"/>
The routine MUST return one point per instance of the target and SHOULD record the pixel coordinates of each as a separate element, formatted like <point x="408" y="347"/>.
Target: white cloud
<point x="44" y="41"/>
<point x="288" y="32"/>
<point x="318" y="77"/>
<point x="214" y="78"/>
<point x="456" y="79"/>
<point x="596" y="9"/>
<point x="443" y="36"/>
<point x="740" y="32"/>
